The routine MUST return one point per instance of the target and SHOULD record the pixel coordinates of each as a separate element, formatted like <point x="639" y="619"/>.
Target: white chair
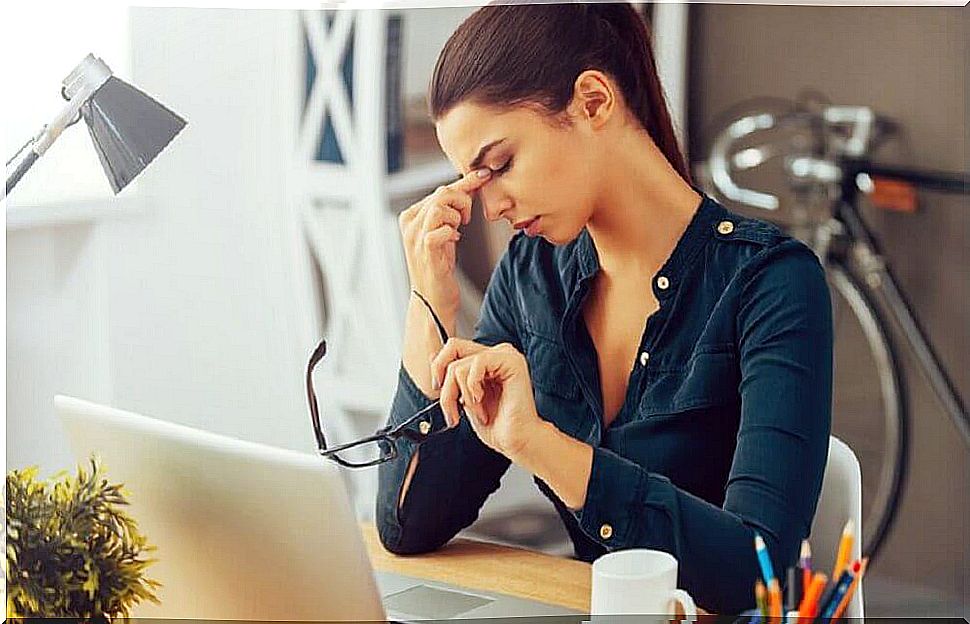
<point x="841" y="499"/>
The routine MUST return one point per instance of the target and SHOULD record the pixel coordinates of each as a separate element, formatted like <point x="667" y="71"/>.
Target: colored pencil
<point x="848" y="594"/>
<point x="805" y="563"/>
<point x="827" y="594"/>
<point x="845" y="549"/>
<point x="806" y="610"/>
<point x="761" y="597"/>
<point x="793" y="590"/>
<point x="764" y="560"/>
<point x="828" y="609"/>
<point x="774" y="598"/>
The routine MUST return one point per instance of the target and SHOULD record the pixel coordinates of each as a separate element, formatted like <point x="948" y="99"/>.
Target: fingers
<point x="472" y="181"/>
<point x="469" y="397"/>
<point x="436" y="239"/>
<point x="460" y="370"/>
<point x="442" y="214"/>
<point x="436" y="208"/>
<point x="454" y="349"/>
<point x="459" y="192"/>
<point x="450" y="392"/>
<point x="456" y="390"/>
<point x="444" y="198"/>
<point x="474" y="385"/>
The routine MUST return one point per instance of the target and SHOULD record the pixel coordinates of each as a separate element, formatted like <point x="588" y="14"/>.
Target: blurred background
<point x="198" y="293"/>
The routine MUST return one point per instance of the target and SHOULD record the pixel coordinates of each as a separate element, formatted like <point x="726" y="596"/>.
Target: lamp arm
<point x="25" y="163"/>
<point x="44" y="139"/>
<point x="83" y="82"/>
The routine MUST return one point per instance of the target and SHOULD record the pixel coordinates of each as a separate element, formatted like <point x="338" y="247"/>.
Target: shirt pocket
<point x="549" y="369"/>
<point x="709" y="378"/>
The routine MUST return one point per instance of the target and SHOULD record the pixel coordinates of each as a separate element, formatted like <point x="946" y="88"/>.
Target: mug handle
<point x="686" y="603"/>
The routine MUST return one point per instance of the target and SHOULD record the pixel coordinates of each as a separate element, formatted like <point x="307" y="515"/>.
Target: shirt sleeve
<point x="784" y="330"/>
<point x="456" y="472"/>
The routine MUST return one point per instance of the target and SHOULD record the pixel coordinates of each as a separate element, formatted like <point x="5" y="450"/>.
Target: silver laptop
<point x="248" y="531"/>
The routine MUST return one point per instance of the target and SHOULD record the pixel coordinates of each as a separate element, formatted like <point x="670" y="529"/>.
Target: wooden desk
<point x="490" y="567"/>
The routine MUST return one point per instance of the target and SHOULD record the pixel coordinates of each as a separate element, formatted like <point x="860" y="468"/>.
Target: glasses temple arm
<point x="441" y="328"/>
<point x="318" y="354"/>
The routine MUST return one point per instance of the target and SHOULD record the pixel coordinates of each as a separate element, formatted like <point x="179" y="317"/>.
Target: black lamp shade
<point x="128" y="129"/>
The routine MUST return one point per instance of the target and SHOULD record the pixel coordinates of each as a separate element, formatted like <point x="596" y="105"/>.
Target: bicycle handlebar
<point x="861" y="119"/>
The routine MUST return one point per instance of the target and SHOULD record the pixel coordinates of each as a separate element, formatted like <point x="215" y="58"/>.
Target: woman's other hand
<point x="494" y="386"/>
<point x="429" y="230"/>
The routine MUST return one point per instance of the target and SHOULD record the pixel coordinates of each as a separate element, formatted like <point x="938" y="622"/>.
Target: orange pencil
<point x="809" y="605"/>
<point x="761" y="598"/>
<point x="845" y="550"/>
<point x="848" y="594"/>
<point x="774" y="598"/>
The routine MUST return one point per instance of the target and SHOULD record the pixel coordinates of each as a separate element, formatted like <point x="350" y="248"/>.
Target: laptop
<point x="246" y="531"/>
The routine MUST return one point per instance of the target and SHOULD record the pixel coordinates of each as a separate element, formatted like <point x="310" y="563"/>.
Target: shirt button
<point x="606" y="531"/>
<point x="424" y="427"/>
<point x="725" y="227"/>
<point x="663" y="282"/>
<point x="643" y="358"/>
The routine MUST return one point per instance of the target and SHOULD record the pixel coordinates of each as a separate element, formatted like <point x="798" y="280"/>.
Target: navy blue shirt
<point x="724" y="428"/>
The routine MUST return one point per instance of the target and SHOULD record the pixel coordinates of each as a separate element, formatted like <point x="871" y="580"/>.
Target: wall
<point x="195" y="308"/>
<point x="909" y="63"/>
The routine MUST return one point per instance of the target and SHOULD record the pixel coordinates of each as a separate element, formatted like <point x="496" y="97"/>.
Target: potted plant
<point x="72" y="551"/>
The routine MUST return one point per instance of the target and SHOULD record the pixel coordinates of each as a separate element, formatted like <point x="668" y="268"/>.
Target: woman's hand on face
<point x="429" y="231"/>
<point x="494" y="386"/>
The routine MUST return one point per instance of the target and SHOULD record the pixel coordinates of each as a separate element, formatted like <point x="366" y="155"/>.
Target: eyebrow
<point x="482" y="153"/>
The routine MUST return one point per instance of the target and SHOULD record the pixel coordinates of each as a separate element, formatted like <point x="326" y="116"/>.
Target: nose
<point x="495" y="208"/>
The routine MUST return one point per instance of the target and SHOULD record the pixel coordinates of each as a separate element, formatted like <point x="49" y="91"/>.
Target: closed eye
<point x="504" y="168"/>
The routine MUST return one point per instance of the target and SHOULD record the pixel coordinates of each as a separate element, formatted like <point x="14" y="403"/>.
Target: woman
<point x="660" y="364"/>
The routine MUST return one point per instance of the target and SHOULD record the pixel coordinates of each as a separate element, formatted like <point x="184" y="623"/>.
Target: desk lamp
<point x="128" y="128"/>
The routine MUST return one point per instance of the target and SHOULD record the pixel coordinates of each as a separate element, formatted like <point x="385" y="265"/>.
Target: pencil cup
<point x="638" y="582"/>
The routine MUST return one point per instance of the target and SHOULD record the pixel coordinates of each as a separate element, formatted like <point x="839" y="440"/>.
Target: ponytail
<point x="504" y="55"/>
<point x="643" y="91"/>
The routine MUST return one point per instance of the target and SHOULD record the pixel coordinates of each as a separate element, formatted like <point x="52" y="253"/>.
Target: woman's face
<point x="539" y="171"/>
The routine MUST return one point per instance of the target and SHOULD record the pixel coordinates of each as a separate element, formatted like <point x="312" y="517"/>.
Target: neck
<point x="645" y="208"/>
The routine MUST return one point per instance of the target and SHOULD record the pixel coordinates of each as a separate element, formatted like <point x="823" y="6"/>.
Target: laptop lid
<point x="243" y="530"/>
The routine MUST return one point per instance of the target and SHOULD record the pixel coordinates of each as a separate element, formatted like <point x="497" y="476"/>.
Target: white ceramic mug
<point x="638" y="582"/>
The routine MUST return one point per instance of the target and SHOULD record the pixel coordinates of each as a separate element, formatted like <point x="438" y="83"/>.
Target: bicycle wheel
<point x="869" y="407"/>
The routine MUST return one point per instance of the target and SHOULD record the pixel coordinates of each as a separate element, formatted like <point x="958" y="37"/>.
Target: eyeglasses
<point x="382" y="445"/>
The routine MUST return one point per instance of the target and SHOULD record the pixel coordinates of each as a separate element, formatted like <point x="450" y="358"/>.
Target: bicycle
<point x="824" y="157"/>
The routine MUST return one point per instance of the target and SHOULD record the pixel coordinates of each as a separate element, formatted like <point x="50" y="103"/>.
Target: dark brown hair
<point x="509" y="54"/>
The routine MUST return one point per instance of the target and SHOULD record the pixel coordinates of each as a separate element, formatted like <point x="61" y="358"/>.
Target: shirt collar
<point x="699" y="229"/>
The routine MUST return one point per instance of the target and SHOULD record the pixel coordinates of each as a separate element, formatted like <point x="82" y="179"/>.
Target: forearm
<point x="561" y="461"/>
<point x="423" y="503"/>
<point x="422" y="342"/>
<point x="455" y="474"/>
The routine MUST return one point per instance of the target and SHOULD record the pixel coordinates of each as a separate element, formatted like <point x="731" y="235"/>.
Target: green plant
<point x="71" y="550"/>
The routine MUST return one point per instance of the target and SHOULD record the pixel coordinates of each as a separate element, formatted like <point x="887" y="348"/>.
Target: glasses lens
<point x="366" y="453"/>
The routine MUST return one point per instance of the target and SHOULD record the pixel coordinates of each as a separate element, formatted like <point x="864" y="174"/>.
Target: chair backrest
<point x="841" y="499"/>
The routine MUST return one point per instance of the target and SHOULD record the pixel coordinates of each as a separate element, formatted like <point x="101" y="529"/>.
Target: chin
<point x="557" y="238"/>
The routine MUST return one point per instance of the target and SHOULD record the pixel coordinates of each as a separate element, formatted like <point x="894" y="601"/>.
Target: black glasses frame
<point x="386" y="438"/>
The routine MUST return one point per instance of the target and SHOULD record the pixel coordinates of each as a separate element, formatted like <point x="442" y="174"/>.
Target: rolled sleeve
<point x="408" y="399"/>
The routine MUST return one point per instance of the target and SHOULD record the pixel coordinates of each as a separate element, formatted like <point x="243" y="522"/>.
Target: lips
<point x="524" y="224"/>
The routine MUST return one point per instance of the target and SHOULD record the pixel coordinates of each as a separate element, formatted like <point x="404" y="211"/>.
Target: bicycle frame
<point x="837" y="162"/>
<point x="868" y="257"/>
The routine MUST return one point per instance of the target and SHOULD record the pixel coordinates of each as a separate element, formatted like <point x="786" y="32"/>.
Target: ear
<point x="594" y="97"/>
